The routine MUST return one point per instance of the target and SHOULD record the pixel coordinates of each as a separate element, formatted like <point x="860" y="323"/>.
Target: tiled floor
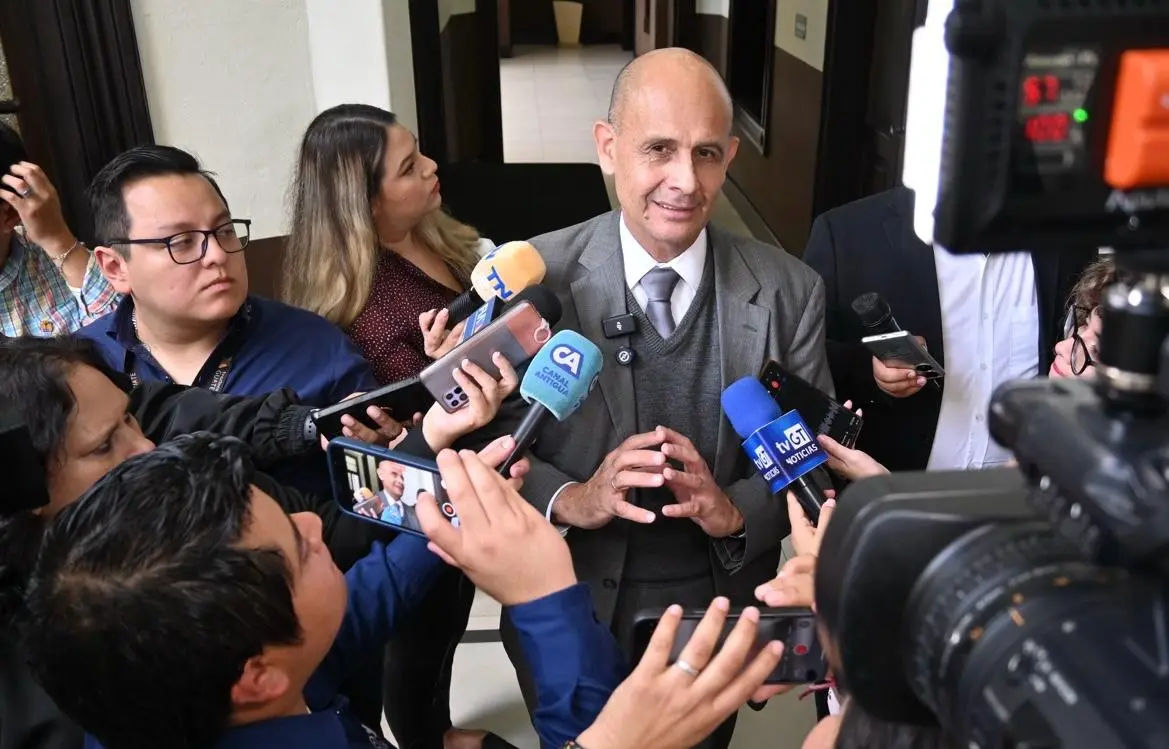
<point x="551" y="97"/>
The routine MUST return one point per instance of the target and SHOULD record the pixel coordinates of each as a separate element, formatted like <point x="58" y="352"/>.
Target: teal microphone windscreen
<point x="562" y="373"/>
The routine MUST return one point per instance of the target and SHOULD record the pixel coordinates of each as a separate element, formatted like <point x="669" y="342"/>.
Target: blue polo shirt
<point x="574" y="659"/>
<point x="268" y="346"/>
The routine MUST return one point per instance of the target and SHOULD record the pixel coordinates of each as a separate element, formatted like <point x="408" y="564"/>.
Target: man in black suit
<point x="986" y="319"/>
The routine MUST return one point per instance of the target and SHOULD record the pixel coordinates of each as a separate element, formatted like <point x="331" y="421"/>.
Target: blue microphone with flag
<point x="780" y="445"/>
<point x="559" y="378"/>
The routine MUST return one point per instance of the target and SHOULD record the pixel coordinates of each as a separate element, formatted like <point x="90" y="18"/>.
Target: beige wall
<point x="236" y="83"/>
<point x="361" y="53"/>
<point x="810" y="49"/>
<point x="231" y="82"/>
<point x="713" y="8"/>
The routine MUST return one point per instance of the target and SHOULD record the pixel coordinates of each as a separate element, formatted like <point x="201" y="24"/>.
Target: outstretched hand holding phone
<point x="671" y="706"/>
<point x="507" y="548"/>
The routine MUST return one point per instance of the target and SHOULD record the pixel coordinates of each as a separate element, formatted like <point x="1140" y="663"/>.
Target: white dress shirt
<point x="990" y="333"/>
<point x="689" y="266"/>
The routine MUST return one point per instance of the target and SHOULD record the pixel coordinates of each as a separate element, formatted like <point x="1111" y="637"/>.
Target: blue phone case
<point x="343" y="494"/>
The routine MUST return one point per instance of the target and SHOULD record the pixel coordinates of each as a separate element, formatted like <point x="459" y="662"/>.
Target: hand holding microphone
<point x="437" y="341"/>
<point x="780" y="445"/>
<point x="503" y="273"/>
<point x="877" y="318"/>
<point x="562" y="374"/>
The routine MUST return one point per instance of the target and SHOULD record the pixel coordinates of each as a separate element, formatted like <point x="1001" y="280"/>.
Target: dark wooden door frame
<point x="430" y="81"/>
<point x="487" y="33"/>
<point x="843" y="104"/>
<point x="684" y="27"/>
<point x="426" y="53"/>
<point x="503" y="14"/>
<point x="755" y="132"/>
<point x="629" y="25"/>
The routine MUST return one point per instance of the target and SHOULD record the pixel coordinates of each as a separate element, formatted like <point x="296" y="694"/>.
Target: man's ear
<point x="606" y="138"/>
<point x="261" y="683"/>
<point x="732" y="149"/>
<point x="113" y="267"/>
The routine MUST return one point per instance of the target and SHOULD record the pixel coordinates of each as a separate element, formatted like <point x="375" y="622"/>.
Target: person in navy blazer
<point x="870" y="246"/>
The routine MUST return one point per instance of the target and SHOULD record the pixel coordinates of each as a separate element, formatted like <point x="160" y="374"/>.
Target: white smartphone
<point x="903" y="351"/>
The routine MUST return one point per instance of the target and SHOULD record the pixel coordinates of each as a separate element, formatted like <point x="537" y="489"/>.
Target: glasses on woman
<point x="1081" y="357"/>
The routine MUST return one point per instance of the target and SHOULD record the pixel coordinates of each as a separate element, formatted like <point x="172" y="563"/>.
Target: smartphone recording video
<point x="383" y="486"/>
<point x="803" y="661"/>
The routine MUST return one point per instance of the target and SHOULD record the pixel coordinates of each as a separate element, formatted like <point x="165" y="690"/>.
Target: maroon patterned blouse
<point x="387" y="330"/>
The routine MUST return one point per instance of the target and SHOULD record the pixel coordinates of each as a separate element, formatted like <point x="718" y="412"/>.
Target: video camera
<point x="1027" y="608"/>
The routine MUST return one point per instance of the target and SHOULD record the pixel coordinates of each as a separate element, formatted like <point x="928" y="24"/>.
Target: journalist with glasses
<point x="169" y="243"/>
<point x="1075" y="355"/>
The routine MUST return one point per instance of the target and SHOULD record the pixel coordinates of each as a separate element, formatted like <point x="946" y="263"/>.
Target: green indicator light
<point x="1080" y="115"/>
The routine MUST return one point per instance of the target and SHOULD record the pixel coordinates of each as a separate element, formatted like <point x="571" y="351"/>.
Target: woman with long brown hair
<point x="370" y="246"/>
<point x="371" y="250"/>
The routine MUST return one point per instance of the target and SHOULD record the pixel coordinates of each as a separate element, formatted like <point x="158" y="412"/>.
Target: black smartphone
<point x="817" y="409"/>
<point x="802" y="661"/>
<point x="402" y="399"/>
<point x="382" y="486"/>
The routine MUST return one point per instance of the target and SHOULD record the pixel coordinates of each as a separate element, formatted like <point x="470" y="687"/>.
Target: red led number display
<point x="1041" y="89"/>
<point x="1047" y="128"/>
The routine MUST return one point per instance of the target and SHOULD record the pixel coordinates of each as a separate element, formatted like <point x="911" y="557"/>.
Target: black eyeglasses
<point x="1081" y="357"/>
<point x="188" y="247"/>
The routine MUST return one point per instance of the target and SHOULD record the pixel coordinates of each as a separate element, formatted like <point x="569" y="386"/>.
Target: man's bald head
<point x="668" y="144"/>
<point x="672" y="67"/>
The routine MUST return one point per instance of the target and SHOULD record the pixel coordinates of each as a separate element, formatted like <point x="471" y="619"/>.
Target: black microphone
<point x="876" y="316"/>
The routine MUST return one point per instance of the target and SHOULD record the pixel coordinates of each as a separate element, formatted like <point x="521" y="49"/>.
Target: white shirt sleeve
<point x="548" y="512"/>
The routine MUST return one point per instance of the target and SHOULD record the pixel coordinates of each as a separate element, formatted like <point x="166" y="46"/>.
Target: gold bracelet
<point x="59" y="260"/>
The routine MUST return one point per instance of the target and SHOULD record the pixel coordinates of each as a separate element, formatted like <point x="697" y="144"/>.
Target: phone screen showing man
<point x="387" y="492"/>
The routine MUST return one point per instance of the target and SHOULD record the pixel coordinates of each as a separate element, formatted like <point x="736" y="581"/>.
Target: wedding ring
<point x="613" y="483"/>
<point x="26" y="192"/>
<point x="686" y="667"/>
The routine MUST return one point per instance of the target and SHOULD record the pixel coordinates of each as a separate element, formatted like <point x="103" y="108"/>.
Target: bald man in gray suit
<point x="661" y="505"/>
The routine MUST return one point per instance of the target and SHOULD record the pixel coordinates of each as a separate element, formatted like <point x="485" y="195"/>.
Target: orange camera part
<point x="1138" y="144"/>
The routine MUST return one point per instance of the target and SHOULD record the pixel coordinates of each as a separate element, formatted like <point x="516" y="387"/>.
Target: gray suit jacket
<point x="769" y="305"/>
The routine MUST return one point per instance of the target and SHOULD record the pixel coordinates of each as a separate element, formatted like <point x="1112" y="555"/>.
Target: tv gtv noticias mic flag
<point x="783" y="450"/>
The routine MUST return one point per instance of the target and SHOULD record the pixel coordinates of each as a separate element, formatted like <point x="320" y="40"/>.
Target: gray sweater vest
<point x="678" y="383"/>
